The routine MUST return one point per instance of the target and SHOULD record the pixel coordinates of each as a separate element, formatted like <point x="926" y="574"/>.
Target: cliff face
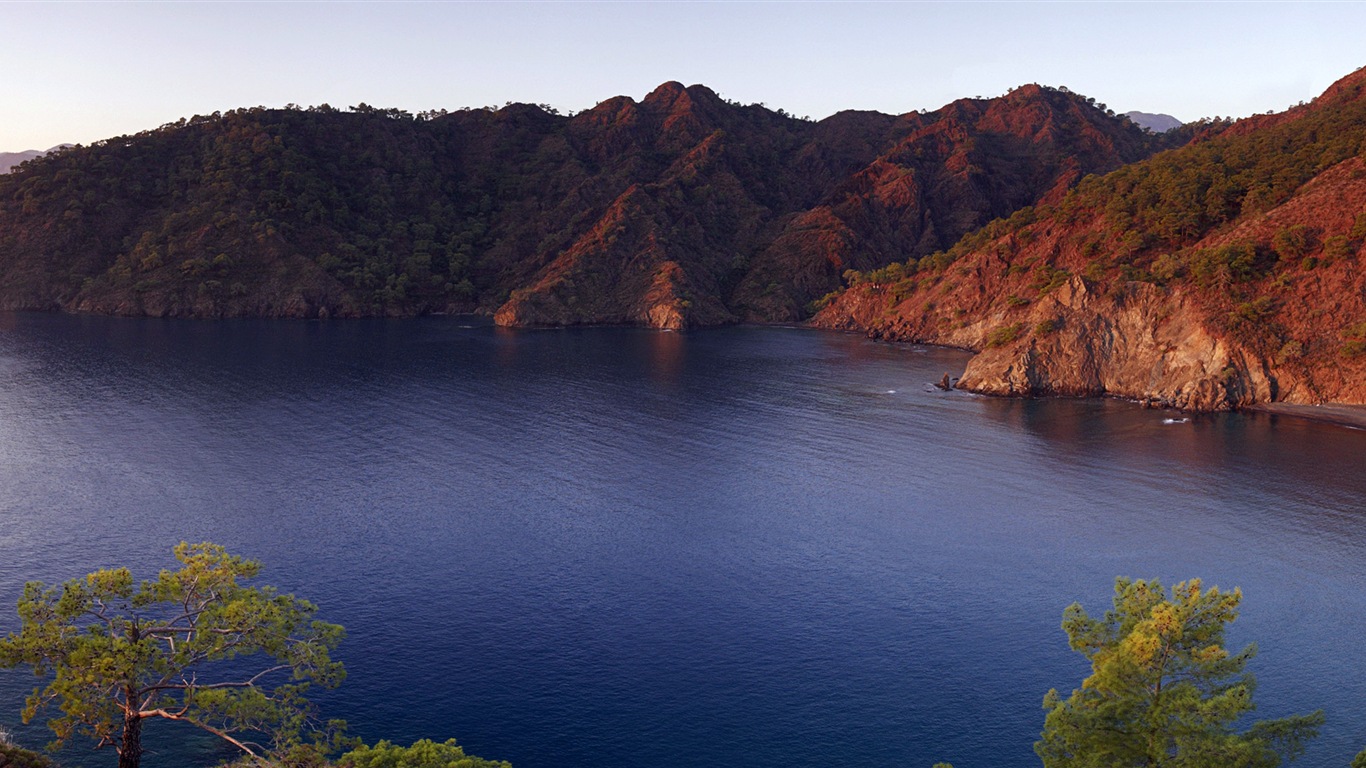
<point x="1141" y="342"/>
<point x="676" y="210"/>
<point x="1255" y="298"/>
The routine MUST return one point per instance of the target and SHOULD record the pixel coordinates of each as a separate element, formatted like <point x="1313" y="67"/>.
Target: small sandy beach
<point x="1334" y="413"/>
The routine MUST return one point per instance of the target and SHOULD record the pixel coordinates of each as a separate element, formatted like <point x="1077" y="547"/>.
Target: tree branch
<point x="224" y="735"/>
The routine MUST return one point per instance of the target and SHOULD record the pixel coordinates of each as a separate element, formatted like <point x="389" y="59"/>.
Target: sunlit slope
<point x="680" y="209"/>
<point x="1222" y="274"/>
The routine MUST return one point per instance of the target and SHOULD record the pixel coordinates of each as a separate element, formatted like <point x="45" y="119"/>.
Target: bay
<point x="620" y="547"/>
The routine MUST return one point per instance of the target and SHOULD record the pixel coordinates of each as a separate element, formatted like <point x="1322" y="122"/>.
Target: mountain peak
<point x="1347" y="88"/>
<point x="1155" y="122"/>
<point x="666" y="92"/>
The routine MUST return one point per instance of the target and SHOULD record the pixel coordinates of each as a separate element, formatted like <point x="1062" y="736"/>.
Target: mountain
<point x="1224" y="274"/>
<point x="1157" y="123"/>
<point x="681" y="209"/>
<point x="10" y="159"/>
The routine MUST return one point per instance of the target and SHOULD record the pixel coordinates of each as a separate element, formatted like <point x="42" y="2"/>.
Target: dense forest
<point x="681" y="209"/>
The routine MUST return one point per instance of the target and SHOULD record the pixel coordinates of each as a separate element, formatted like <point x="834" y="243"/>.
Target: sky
<point x="81" y="71"/>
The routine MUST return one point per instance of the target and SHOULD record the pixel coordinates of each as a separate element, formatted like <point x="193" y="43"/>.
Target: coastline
<point x="1341" y="414"/>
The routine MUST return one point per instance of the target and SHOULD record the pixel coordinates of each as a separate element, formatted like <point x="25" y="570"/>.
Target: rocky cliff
<point x="1222" y="275"/>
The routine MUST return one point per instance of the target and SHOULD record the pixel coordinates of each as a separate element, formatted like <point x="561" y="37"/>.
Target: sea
<point x="625" y="548"/>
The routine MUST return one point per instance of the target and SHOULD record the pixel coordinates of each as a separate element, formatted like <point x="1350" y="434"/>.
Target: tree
<point x="194" y="645"/>
<point x="423" y="754"/>
<point x="1163" y="690"/>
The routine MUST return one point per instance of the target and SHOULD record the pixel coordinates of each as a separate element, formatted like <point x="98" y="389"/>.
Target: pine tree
<point x="1163" y="690"/>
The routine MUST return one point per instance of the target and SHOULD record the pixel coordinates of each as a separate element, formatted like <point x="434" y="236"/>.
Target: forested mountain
<point x="681" y="209"/>
<point x="10" y="159"/>
<point x="1223" y="274"/>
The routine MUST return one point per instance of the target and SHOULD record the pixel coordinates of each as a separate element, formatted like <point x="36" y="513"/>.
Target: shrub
<point x="1005" y="335"/>
<point x="1355" y="340"/>
<point x="821" y="303"/>
<point x="1294" y="242"/>
<point x="423" y="754"/>
<point x="1094" y="271"/>
<point x="1290" y="351"/>
<point x="16" y="757"/>
<point x="1047" y="277"/>
<point x="1258" y="310"/>
<point x="1048" y="327"/>
<point x="1231" y="263"/>
<point x="1337" y="247"/>
<point x="1359" y="227"/>
<point x="1167" y="268"/>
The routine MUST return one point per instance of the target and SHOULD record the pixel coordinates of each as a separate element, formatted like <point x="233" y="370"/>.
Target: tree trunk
<point x="130" y="750"/>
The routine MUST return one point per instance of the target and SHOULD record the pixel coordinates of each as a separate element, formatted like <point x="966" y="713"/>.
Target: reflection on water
<point x="603" y="546"/>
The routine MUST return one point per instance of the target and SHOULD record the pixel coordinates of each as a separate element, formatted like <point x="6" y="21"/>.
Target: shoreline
<point x="1340" y="414"/>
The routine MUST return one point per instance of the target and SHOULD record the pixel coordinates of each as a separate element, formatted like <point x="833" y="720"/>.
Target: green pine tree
<point x="1163" y="690"/>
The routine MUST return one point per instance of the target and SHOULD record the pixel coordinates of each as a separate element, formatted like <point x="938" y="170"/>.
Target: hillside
<point x="10" y="159"/>
<point x="681" y="209"/>
<point x="1224" y="274"/>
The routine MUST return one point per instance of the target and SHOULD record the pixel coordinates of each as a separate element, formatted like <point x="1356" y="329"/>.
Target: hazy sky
<point x="82" y="71"/>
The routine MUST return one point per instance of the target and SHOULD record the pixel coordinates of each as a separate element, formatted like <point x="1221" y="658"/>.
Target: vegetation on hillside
<point x="1252" y="233"/>
<point x="722" y="209"/>
<point x="214" y="208"/>
<point x="1140" y="222"/>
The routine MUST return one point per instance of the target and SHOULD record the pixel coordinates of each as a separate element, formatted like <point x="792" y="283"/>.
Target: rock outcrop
<point x="1150" y="284"/>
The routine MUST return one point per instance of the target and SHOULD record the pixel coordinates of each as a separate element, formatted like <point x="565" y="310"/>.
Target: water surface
<point x="618" y="547"/>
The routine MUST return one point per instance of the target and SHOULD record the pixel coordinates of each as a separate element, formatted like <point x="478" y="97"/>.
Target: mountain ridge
<point x="1221" y="275"/>
<point x="1158" y="122"/>
<point x="678" y="210"/>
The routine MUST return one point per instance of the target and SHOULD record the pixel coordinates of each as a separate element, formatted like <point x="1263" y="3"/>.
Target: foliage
<point x="1294" y="242"/>
<point x="193" y="645"/>
<point x="1227" y="264"/>
<point x="1048" y="327"/>
<point x="211" y="209"/>
<point x="377" y="211"/>
<point x="1154" y="211"/>
<point x="423" y="754"/>
<point x="13" y="756"/>
<point x="1048" y="278"/>
<point x="1354" y="343"/>
<point x="1005" y="335"/>
<point x="1163" y="689"/>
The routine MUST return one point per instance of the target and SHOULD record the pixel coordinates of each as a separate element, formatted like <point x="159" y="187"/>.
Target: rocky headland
<point x="1222" y="275"/>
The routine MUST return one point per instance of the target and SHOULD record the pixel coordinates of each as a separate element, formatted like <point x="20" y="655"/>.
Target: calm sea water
<point x="615" y="548"/>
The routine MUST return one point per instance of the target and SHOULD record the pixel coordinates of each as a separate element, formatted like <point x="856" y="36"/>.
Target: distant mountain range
<point x="1223" y="274"/>
<point x="10" y="159"/>
<point x="1157" y="123"/>
<point x="1038" y="228"/>
<point x="678" y="210"/>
